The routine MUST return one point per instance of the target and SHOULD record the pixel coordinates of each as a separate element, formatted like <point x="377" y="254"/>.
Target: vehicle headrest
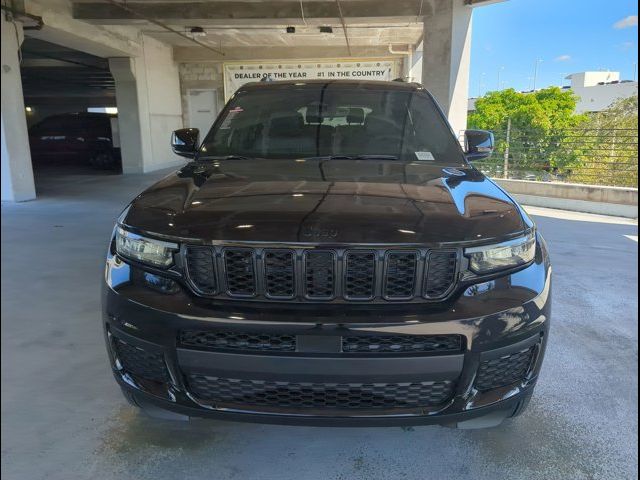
<point x="355" y="115"/>
<point x="315" y="112"/>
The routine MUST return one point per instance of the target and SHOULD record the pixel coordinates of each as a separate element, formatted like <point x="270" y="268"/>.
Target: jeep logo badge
<point x="320" y="233"/>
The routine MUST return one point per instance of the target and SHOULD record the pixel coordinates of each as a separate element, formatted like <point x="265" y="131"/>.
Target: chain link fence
<point x="584" y="155"/>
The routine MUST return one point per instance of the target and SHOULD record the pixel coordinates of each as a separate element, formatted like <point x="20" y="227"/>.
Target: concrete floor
<point x="63" y="416"/>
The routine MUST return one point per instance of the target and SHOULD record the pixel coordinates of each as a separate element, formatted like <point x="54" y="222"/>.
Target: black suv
<point x="329" y="257"/>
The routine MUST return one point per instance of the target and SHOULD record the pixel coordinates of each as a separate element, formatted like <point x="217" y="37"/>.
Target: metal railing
<point x="582" y="155"/>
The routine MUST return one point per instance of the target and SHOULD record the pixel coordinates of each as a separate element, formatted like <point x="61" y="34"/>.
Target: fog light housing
<point x="160" y="284"/>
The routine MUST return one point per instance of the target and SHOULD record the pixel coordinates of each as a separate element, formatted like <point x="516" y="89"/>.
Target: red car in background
<point x="90" y="137"/>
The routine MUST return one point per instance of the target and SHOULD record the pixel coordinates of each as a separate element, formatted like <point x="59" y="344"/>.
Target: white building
<point x="596" y="90"/>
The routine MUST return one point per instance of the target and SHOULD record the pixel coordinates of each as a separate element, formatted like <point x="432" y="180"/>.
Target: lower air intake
<point x="505" y="370"/>
<point x="247" y="393"/>
<point x="141" y="363"/>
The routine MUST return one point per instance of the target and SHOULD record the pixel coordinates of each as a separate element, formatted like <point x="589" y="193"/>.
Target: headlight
<point x="501" y="256"/>
<point x="143" y="249"/>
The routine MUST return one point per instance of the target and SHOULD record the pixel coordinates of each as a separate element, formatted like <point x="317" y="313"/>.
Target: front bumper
<point x="502" y="324"/>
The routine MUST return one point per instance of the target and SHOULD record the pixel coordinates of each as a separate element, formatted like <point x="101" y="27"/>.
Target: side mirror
<point x="478" y="144"/>
<point x="184" y="142"/>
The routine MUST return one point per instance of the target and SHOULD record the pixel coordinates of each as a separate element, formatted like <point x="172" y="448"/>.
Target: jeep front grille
<point x="308" y="274"/>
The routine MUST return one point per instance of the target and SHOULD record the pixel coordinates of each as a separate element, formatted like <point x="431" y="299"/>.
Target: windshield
<point x="333" y="121"/>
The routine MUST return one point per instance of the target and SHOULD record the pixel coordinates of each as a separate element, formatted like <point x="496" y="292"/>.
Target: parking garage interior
<point x="162" y="65"/>
<point x="69" y="99"/>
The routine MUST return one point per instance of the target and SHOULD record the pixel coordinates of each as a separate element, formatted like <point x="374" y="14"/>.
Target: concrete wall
<point x="159" y="100"/>
<point x="205" y="76"/>
<point x="619" y="201"/>
<point x="149" y="106"/>
<point x="446" y="57"/>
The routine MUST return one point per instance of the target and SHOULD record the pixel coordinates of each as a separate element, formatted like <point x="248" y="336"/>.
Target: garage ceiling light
<point x="326" y="30"/>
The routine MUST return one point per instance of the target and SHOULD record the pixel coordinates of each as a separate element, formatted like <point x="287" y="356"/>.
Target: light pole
<point x="480" y="84"/>
<point x="535" y="72"/>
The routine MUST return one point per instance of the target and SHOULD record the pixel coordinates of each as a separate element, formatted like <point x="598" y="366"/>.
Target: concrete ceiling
<point x="237" y="24"/>
<point x="55" y="72"/>
<point x="276" y="36"/>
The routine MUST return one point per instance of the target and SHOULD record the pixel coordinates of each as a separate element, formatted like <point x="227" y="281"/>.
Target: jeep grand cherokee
<point x="330" y="256"/>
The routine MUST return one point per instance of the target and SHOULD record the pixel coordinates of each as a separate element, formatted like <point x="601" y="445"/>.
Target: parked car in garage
<point x="90" y="137"/>
<point x="330" y="256"/>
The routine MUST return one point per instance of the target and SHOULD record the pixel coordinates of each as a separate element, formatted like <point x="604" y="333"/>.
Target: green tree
<point x="542" y="127"/>
<point x="610" y="156"/>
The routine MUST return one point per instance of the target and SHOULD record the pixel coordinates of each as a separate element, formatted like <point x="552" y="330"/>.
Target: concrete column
<point x="17" y="174"/>
<point x="446" y="57"/>
<point x="149" y="107"/>
<point x="128" y="114"/>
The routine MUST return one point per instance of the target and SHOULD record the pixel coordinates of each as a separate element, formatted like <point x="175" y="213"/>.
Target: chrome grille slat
<point x="308" y="274"/>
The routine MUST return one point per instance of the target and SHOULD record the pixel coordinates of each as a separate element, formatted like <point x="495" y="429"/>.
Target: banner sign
<point x="237" y="74"/>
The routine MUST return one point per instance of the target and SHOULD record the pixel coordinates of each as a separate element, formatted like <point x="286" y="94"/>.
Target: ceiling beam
<point x="132" y="11"/>
<point x="207" y="13"/>
<point x="195" y="54"/>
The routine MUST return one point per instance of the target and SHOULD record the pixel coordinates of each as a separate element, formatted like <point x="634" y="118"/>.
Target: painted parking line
<point x="632" y="237"/>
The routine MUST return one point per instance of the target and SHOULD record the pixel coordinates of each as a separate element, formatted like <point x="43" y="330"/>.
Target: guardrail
<point x="604" y="200"/>
<point x="591" y="156"/>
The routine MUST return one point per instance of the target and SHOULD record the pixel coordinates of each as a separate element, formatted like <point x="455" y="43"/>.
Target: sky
<point x="561" y="36"/>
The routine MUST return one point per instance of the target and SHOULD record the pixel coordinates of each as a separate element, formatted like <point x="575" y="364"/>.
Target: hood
<point x="338" y="201"/>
